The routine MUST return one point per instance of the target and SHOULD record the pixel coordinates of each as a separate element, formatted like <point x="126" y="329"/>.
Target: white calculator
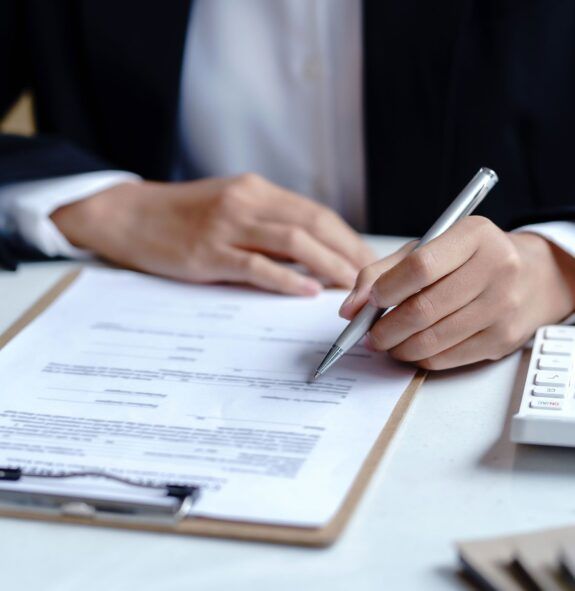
<point x="547" y="412"/>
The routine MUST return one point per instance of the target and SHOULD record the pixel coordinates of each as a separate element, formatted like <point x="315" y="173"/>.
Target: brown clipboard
<point x="200" y="526"/>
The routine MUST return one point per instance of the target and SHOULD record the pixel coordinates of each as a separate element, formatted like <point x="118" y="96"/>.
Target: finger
<point x="445" y="334"/>
<point x="428" y="264"/>
<point x="296" y="244"/>
<point x="324" y="224"/>
<point x="256" y="269"/>
<point x="367" y="277"/>
<point x="481" y="346"/>
<point x="427" y="307"/>
<point x="328" y="227"/>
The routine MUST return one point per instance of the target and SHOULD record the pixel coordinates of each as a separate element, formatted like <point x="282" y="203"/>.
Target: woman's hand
<point x="473" y="293"/>
<point x="218" y="230"/>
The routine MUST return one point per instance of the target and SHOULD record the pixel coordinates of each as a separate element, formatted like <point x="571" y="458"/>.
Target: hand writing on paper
<point x="474" y="293"/>
<point x="218" y="230"/>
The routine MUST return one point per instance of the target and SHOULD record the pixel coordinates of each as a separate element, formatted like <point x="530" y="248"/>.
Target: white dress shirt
<point x="267" y="87"/>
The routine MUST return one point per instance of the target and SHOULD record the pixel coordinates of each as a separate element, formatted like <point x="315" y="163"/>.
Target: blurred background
<point x="19" y="119"/>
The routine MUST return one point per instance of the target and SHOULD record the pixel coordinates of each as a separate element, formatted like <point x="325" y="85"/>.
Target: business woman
<point x="204" y="140"/>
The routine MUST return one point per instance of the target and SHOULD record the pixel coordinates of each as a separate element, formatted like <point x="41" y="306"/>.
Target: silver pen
<point x="471" y="196"/>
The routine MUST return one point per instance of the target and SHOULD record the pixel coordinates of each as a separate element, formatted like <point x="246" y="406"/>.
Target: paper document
<point x="167" y="382"/>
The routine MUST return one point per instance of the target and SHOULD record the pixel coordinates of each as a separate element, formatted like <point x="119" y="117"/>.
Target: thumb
<point x="359" y="295"/>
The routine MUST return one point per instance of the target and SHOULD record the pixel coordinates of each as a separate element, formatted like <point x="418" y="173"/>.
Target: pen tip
<point x="332" y="356"/>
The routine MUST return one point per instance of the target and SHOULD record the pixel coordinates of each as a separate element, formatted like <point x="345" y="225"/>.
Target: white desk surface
<point x="449" y="474"/>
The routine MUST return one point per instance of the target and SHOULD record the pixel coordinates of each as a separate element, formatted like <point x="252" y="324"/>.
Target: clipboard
<point x="144" y="518"/>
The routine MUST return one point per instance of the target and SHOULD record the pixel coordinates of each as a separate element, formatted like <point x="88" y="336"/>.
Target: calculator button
<point x="557" y="348"/>
<point x="546" y="404"/>
<point x="549" y="362"/>
<point x="560" y="333"/>
<point x="548" y="392"/>
<point x="550" y="378"/>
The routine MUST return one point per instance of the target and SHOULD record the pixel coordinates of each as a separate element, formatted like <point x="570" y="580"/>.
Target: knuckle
<point x="321" y="219"/>
<point x="377" y="338"/>
<point x="248" y="180"/>
<point x="377" y="293"/>
<point x="479" y="223"/>
<point x="238" y="193"/>
<point x="511" y="261"/>
<point x="252" y="264"/>
<point x="293" y="238"/>
<point x="367" y="276"/>
<point x="421" y="265"/>
<point x="416" y="348"/>
<point x="230" y="199"/>
<point x="419" y="309"/>
<point x="424" y="343"/>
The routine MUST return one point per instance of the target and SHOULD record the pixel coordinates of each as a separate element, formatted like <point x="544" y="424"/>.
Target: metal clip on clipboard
<point x="93" y="508"/>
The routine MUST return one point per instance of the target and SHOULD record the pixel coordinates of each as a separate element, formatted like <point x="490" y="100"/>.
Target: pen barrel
<point x="357" y="329"/>
<point x="463" y="205"/>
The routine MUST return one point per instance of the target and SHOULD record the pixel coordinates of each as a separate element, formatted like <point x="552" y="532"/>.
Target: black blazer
<point x="448" y="87"/>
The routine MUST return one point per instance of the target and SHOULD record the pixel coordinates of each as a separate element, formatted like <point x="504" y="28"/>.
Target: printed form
<point x="161" y="382"/>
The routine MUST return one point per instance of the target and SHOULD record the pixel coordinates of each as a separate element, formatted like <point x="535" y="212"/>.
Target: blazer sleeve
<point x="28" y="158"/>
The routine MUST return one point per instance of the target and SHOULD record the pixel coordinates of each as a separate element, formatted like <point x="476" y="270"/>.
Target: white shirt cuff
<point x="27" y="207"/>
<point x="562" y="234"/>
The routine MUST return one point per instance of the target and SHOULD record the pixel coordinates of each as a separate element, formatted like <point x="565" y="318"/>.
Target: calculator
<point x="547" y="412"/>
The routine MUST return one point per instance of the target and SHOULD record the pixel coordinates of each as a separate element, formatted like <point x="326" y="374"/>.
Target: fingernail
<point x="310" y="286"/>
<point x="347" y="302"/>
